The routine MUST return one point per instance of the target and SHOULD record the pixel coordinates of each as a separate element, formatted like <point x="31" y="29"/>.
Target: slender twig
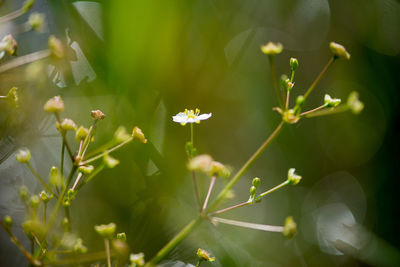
<point x="209" y="193"/>
<point x="40" y="179"/>
<point x="68" y="216"/>
<point x="312" y="110"/>
<point x="44" y="211"/>
<point x="15" y="240"/>
<point x="88" y="138"/>
<point x="107" y="245"/>
<point x="273" y="189"/>
<point x="64" y="138"/>
<point x="12" y="15"/>
<point x="321" y="74"/>
<point x="106" y="152"/>
<point x="274" y="80"/>
<point x="230" y="208"/>
<point x="194" y="180"/>
<point x="22" y="60"/>
<point x="246" y="166"/>
<point x="287" y="99"/>
<point x="78" y="178"/>
<point x="254" y="226"/>
<point x="325" y="112"/>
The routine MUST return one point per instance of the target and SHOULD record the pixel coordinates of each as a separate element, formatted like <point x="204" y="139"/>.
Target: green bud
<point x="97" y="115"/>
<point x="253" y="190"/>
<point x="285" y="83"/>
<point x="35" y="227"/>
<point x="294" y="63"/>
<point x="27" y="5"/>
<point x="54" y="105"/>
<point x="300" y="100"/>
<point x="354" y="103"/>
<point x="34" y="202"/>
<point x="8" y="221"/>
<point x="45" y="197"/>
<point x="110" y="161"/>
<point x="36" y="21"/>
<point x="256" y="182"/>
<point x="65" y="224"/>
<point x="121" y="236"/>
<point x="339" y="51"/>
<point x="106" y="230"/>
<point x="293" y="178"/>
<point x="121" y="135"/>
<point x="138" y="134"/>
<point x="12" y="96"/>
<point x="331" y="102"/>
<point x="56" y="47"/>
<point x="272" y="48"/>
<point x="86" y="169"/>
<point x="55" y="178"/>
<point x="204" y="255"/>
<point x="81" y="133"/>
<point x="68" y="125"/>
<point x="79" y="247"/>
<point x="290" y="228"/>
<point x="137" y="260"/>
<point x="23" y="193"/>
<point x="23" y="155"/>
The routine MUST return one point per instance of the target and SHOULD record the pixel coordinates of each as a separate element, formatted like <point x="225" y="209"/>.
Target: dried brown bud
<point x="97" y="115"/>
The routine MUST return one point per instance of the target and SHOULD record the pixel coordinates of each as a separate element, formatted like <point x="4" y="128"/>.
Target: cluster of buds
<point x="292" y="177"/>
<point x="8" y="45"/>
<point x="204" y="255"/>
<point x="253" y="190"/>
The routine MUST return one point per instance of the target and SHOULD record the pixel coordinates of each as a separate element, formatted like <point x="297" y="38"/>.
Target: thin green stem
<point x="287" y="99"/>
<point x="22" y="60"/>
<point x="328" y="111"/>
<point x="68" y="216"/>
<point x="274" y="80"/>
<point x="246" y="166"/>
<point x="322" y="73"/>
<point x="64" y="139"/>
<point x="107" y="245"/>
<point x="191" y="134"/>
<point x="44" y="212"/>
<point x="40" y="179"/>
<point x="60" y="199"/>
<point x="106" y="152"/>
<point x="273" y="189"/>
<point x="12" y="15"/>
<point x="198" y="263"/>
<point x="88" y="138"/>
<point x="90" y="177"/>
<point x="313" y="110"/>
<point x="194" y="180"/>
<point x="292" y="77"/>
<point x="174" y="242"/>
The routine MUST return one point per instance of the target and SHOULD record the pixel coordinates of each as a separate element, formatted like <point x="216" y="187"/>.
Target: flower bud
<point x="97" y="114"/>
<point x="110" y="161"/>
<point x="36" y="21"/>
<point x="34" y="228"/>
<point x="79" y="247"/>
<point x="256" y="182"/>
<point x="121" y="135"/>
<point x="300" y="100"/>
<point x="9" y="45"/>
<point x="86" y="169"/>
<point x="45" y="197"/>
<point x="201" y="163"/>
<point x="27" y="5"/>
<point x="293" y="178"/>
<point x="253" y="190"/>
<point x="294" y="63"/>
<point x="219" y="169"/>
<point x="12" y="96"/>
<point x="106" y="230"/>
<point x="137" y="260"/>
<point x="54" y="105"/>
<point x="67" y="125"/>
<point x="23" y="193"/>
<point x="55" y="177"/>
<point x="56" y="47"/>
<point x="137" y="133"/>
<point x="339" y="51"/>
<point x="204" y="255"/>
<point x="8" y="221"/>
<point x="34" y="202"/>
<point x="81" y="133"/>
<point x="272" y="48"/>
<point x="23" y="155"/>
<point x="354" y="103"/>
<point x="290" y="116"/>
<point x="121" y="236"/>
<point x="290" y="228"/>
<point x="331" y="102"/>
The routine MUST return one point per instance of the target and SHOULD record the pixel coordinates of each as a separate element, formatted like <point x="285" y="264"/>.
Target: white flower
<point x="190" y="116"/>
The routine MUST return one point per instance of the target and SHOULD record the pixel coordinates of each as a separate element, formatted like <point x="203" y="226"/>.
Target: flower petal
<point x="204" y="116"/>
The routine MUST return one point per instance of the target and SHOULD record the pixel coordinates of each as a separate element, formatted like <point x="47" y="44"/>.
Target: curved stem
<point x="321" y="74"/>
<point x="22" y="60"/>
<point x="13" y="15"/>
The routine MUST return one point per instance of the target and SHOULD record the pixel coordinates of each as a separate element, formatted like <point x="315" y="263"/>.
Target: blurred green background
<point x="141" y="62"/>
